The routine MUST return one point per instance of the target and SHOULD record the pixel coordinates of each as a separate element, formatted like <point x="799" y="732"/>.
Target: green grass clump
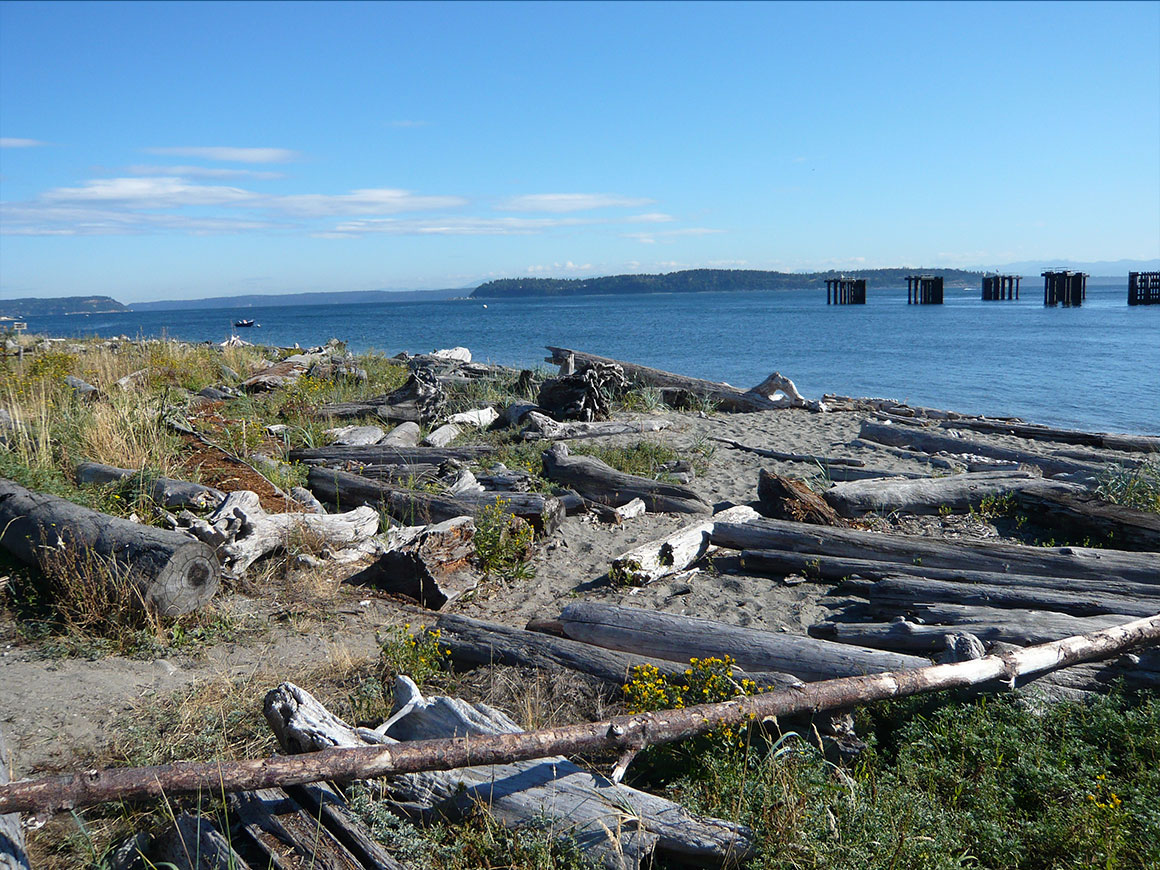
<point x="503" y="542"/>
<point x="1137" y="488"/>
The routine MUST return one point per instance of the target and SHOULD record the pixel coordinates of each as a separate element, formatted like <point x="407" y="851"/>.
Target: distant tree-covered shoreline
<point x="707" y="280"/>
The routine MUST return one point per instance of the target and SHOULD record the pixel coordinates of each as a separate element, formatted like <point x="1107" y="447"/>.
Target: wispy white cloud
<point x="457" y="226"/>
<point x="650" y="238"/>
<point x="558" y="268"/>
<point x="160" y="192"/>
<point x="205" y="172"/>
<point x="8" y="142"/>
<point x="232" y="155"/>
<point x="366" y="201"/>
<point x="567" y="202"/>
<point x="651" y="218"/>
<point x="42" y="219"/>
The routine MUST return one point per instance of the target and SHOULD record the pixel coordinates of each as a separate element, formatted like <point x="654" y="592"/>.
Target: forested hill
<point x="704" y="280"/>
<point x="35" y="307"/>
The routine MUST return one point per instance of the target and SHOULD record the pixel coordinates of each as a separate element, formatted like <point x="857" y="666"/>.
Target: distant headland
<point x="31" y="306"/>
<point x="705" y="280"/>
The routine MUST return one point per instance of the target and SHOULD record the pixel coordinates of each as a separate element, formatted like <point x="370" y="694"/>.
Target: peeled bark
<point x="595" y="480"/>
<point x="52" y="794"/>
<point x="431" y="564"/>
<point x="680" y="638"/>
<point x="172" y="572"/>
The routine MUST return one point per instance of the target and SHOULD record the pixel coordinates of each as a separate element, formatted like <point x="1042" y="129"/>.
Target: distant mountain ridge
<point x="337" y="297"/>
<point x="33" y="306"/>
<point x="1095" y="268"/>
<point x="706" y="280"/>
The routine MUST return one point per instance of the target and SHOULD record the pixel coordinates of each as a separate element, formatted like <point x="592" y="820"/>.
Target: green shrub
<point x="503" y="542"/>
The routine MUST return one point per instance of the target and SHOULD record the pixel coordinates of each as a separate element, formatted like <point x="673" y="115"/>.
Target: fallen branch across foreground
<point x="629" y="733"/>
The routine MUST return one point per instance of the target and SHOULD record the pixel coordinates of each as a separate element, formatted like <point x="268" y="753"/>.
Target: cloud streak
<point x="9" y="142"/>
<point x="569" y="202"/>
<point x="231" y="155"/>
<point x="205" y="172"/>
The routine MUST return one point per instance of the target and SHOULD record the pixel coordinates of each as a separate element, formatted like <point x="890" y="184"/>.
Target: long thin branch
<point x="789" y="457"/>
<point x="53" y="794"/>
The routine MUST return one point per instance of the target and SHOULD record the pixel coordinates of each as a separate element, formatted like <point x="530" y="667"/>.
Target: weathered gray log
<point x="596" y="480"/>
<point x="518" y="792"/>
<point x="839" y="474"/>
<point x="544" y="428"/>
<point x="52" y="794"/>
<point x="403" y="435"/>
<point x="956" y="493"/>
<point x="412" y="507"/>
<point x="195" y="843"/>
<point x="1010" y="624"/>
<point x="782" y="456"/>
<point x="673" y="387"/>
<point x="932" y="442"/>
<point x="907" y="593"/>
<point x="172" y="572"/>
<point x="404" y="476"/>
<point x="284" y="834"/>
<point x="12" y="851"/>
<point x="442" y="436"/>
<point x="379" y="455"/>
<point x="429" y="563"/>
<point x="680" y="638"/>
<point x="1080" y="562"/>
<point x="355" y="436"/>
<point x="584" y="395"/>
<point x="419" y="400"/>
<point x="474" y="643"/>
<point x="785" y="498"/>
<point x="1081" y="514"/>
<point x="163" y="490"/>
<point x="837" y="568"/>
<point x="1036" y="432"/>
<point x="328" y="806"/>
<point x="673" y="553"/>
<point x="82" y="389"/>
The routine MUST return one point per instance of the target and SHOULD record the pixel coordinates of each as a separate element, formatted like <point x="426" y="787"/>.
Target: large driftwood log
<point x="675" y="388"/>
<point x="1084" y="515"/>
<point x="785" y="498"/>
<point x="837" y="568"/>
<point x="12" y="852"/>
<point x="956" y="493"/>
<point x="52" y="794"/>
<point x="584" y="395"/>
<point x="428" y="563"/>
<point x="673" y="553"/>
<point x="324" y="803"/>
<point x="378" y="454"/>
<point x="782" y="456"/>
<point x="412" y="507"/>
<point x="163" y="490"/>
<point x="1036" y="432"/>
<point x="419" y="400"/>
<point x="244" y="532"/>
<point x="913" y="593"/>
<point x="680" y="638"/>
<point x="516" y="793"/>
<point x="482" y="643"/>
<point x="284" y="834"/>
<point x="1079" y="562"/>
<point x="597" y="481"/>
<point x="931" y="442"/>
<point x="172" y="572"/>
<point x="543" y="428"/>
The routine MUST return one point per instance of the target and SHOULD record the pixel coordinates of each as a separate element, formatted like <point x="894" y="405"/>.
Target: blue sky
<point x="173" y="150"/>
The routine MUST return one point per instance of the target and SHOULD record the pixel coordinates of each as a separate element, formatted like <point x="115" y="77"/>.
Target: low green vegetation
<point x="503" y="542"/>
<point x="1137" y="488"/>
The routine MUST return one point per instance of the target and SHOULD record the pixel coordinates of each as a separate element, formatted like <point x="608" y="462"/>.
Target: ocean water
<point x="1095" y="367"/>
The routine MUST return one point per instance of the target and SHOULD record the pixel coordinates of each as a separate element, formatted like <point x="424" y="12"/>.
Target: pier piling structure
<point x="924" y="290"/>
<point x="846" y="291"/>
<point x="1066" y="287"/>
<point x="998" y="288"/>
<point x="1144" y="288"/>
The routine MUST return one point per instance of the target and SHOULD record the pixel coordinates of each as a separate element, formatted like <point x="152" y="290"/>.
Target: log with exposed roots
<point x="172" y="573"/>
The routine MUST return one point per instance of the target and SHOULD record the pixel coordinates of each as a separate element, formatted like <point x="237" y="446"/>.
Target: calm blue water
<point x="1095" y="367"/>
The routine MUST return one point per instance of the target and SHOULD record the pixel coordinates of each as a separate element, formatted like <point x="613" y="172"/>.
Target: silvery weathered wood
<point x="173" y="572"/>
<point x="284" y="834"/>
<point x="328" y="806"/>
<point x="193" y="842"/>
<point x="12" y="851"/>
<point x="403" y="435"/>
<point x="442" y="436"/>
<point x="680" y="638"/>
<point x="1079" y="562"/>
<point x="933" y="442"/>
<point x="782" y="456"/>
<point x="1082" y="514"/>
<point x="384" y="455"/>
<point x="163" y="490"/>
<point x="355" y="436"/>
<point x="599" y="482"/>
<point x="413" y="507"/>
<point x="1013" y="625"/>
<point x="1036" y="432"/>
<point x="673" y="553"/>
<point x="543" y="428"/>
<point x="428" y="563"/>
<point x="956" y="493"/>
<point x="480" y="417"/>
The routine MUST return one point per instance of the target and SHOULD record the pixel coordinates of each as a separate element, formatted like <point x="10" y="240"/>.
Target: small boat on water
<point x="243" y="323"/>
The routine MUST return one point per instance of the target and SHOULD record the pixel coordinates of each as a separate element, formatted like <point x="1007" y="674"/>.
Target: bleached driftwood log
<point x="956" y="493"/>
<point x="404" y="435"/>
<point x="355" y="436"/>
<point x="413" y="507"/>
<point x="172" y="572"/>
<point x="376" y="454"/>
<point x="932" y="442"/>
<point x="680" y="638"/>
<point x="1080" y="562"/>
<point x="782" y="391"/>
<point x="419" y="400"/>
<point x="243" y="532"/>
<point x="193" y="842"/>
<point x="163" y="490"/>
<point x="442" y="436"/>
<point x="12" y="851"/>
<point x="52" y="794"/>
<point x="673" y="553"/>
<point x="1081" y="514"/>
<point x="596" y="480"/>
<point x="1036" y="432"/>
<point x="543" y="428"/>
<point x="589" y="807"/>
<point x="782" y="456"/>
<point x="428" y="563"/>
